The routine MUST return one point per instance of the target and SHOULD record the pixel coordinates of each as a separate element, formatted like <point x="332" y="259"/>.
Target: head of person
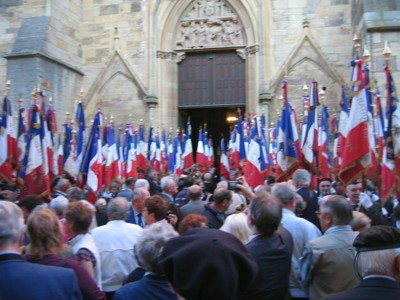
<point x="11" y="226"/>
<point x="286" y="194"/>
<point x="192" y="221"/>
<point x="155" y="209"/>
<point x="265" y="214"/>
<point x="334" y="210"/>
<point x="114" y="188"/>
<point x="138" y="198"/>
<point x="45" y="233"/>
<point x="301" y="178"/>
<point x="152" y="174"/>
<point x="262" y="188"/>
<point x="78" y="217"/>
<point x="75" y="194"/>
<point x="118" y="209"/>
<point x="168" y="185"/>
<point x="236" y="224"/>
<point x="142" y="183"/>
<point x="188" y="181"/>
<point x="9" y="192"/>
<point x="223" y="184"/>
<point x="222" y="199"/>
<point x="339" y="187"/>
<point x="130" y="183"/>
<point x="227" y="268"/>
<point x="100" y="204"/>
<point x="207" y="177"/>
<point x="58" y="205"/>
<point x="29" y="203"/>
<point x="378" y="251"/>
<point x="148" y="248"/>
<point x="195" y="192"/>
<point x="353" y="191"/>
<point x="360" y="221"/>
<point x="62" y="184"/>
<point x="300" y="205"/>
<point x="325" y="186"/>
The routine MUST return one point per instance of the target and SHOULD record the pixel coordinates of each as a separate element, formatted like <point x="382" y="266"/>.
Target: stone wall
<point x="109" y="48"/>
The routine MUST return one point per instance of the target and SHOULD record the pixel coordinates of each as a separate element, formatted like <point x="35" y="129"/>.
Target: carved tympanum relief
<point x="209" y="24"/>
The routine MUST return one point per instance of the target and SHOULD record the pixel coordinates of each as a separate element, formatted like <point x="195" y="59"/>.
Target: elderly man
<point x="115" y="242"/>
<point x="9" y="193"/>
<point x="169" y="189"/>
<point x="139" y="195"/>
<point x="195" y="205"/>
<point x="127" y="192"/>
<point x="378" y="257"/>
<point x="301" y="230"/>
<point x="301" y="180"/>
<point x="20" y="279"/>
<point x="327" y="263"/>
<point x="215" y="211"/>
<point x="361" y="202"/>
<point x="272" y="248"/>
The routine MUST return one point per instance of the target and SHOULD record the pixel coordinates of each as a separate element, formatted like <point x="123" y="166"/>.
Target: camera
<point x="232" y="185"/>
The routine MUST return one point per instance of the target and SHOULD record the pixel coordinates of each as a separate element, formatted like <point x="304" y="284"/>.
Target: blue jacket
<point x="20" y="279"/>
<point x="152" y="286"/>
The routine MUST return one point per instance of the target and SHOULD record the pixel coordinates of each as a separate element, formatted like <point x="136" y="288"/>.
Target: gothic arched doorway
<point x="211" y="88"/>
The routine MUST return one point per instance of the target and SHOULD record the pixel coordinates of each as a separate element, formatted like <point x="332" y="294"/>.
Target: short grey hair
<point x="142" y="183"/>
<point x="302" y="177"/>
<point x="284" y="191"/>
<point x="377" y="262"/>
<point x="118" y="208"/>
<point x="137" y="193"/>
<point x="75" y="193"/>
<point x="58" y="204"/>
<point x="149" y="246"/>
<point x="60" y="183"/>
<point x="167" y="182"/>
<point x="339" y="207"/>
<point x="222" y="184"/>
<point x="11" y="223"/>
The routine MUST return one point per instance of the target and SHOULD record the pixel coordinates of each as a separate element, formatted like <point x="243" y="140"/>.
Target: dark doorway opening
<point x="212" y="120"/>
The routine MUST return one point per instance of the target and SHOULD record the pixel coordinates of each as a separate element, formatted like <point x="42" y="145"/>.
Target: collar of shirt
<point x="380" y="276"/>
<point x="338" y="228"/>
<point x="168" y="196"/>
<point x="286" y="211"/>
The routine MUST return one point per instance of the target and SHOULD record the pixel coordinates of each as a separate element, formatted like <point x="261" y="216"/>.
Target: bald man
<point x="195" y="205"/>
<point x="136" y="209"/>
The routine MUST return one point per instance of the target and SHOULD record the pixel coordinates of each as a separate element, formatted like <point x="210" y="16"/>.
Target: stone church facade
<point x="126" y="55"/>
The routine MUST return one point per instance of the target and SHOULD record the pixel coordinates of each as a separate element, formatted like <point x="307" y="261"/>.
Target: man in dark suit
<point x="301" y="180"/>
<point x="378" y="257"/>
<point x="20" y="279"/>
<point x="272" y="247"/>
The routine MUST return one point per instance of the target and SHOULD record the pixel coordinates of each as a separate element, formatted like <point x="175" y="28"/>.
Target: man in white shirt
<point x="115" y="242"/>
<point x="302" y="232"/>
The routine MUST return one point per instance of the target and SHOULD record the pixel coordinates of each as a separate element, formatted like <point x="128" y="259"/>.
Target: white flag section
<point x="356" y="152"/>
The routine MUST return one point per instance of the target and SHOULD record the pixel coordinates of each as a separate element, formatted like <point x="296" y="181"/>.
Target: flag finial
<point x="386" y="51"/>
<point x="81" y="96"/>
<point x="357" y="42"/>
<point x="8" y="87"/>
<point x="305" y="88"/>
<point x="366" y="54"/>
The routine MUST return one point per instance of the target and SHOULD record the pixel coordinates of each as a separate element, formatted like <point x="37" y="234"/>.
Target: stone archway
<point x="175" y="39"/>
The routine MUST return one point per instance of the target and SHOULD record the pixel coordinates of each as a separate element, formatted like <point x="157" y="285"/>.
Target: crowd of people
<point x="195" y="238"/>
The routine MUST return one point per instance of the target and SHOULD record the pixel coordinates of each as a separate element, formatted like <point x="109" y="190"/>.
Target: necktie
<point x="139" y="220"/>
